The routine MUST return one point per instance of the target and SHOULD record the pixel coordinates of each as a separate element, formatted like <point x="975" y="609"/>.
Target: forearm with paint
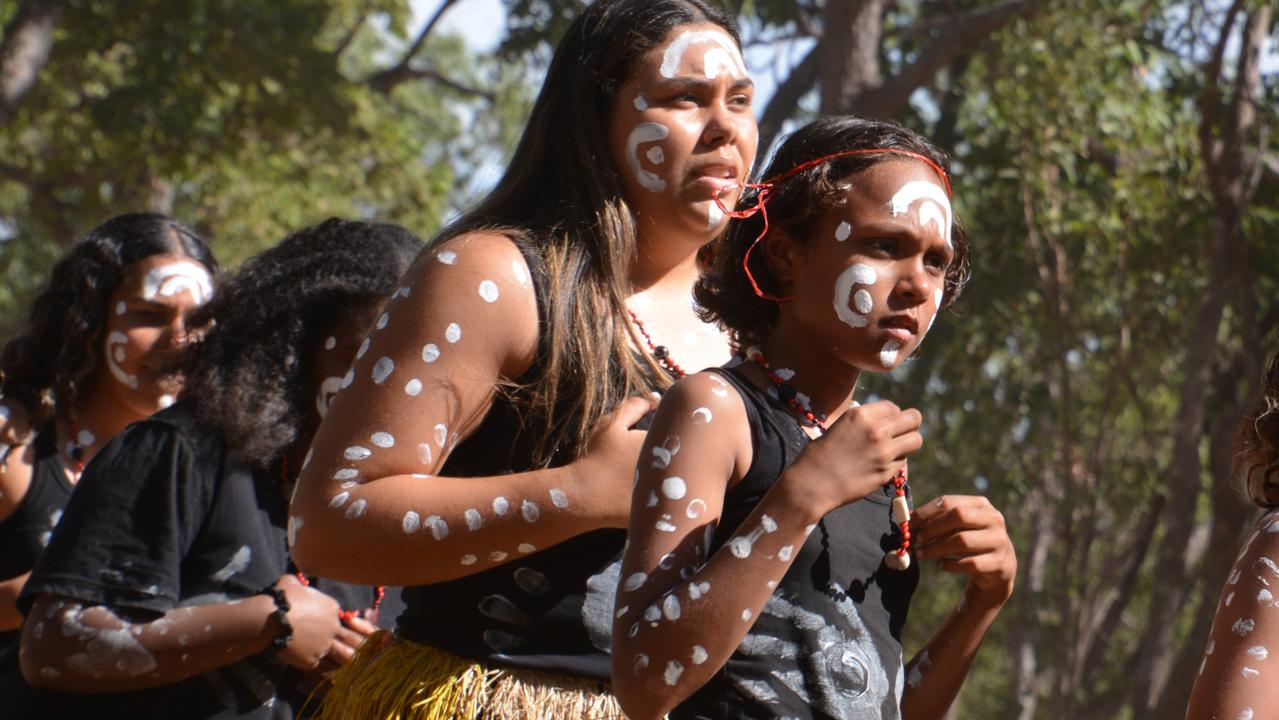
<point x="937" y="672"/>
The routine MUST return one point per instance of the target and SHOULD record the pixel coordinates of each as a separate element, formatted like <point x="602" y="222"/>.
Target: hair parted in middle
<point x="561" y="198"/>
<point x="795" y="205"/>
<point x="247" y="374"/>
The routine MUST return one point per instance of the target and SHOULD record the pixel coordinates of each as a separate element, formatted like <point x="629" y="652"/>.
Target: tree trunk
<point x="24" y="51"/>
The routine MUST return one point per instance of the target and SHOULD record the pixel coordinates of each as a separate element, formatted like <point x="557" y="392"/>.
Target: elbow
<point x="38" y="668"/>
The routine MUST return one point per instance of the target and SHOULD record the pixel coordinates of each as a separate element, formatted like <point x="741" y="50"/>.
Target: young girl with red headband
<point x="768" y="571"/>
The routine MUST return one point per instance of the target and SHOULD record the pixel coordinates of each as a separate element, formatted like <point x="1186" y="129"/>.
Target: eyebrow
<point x="691" y="82"/>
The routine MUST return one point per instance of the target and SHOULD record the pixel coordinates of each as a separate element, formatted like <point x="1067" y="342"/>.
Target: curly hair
<point x="248" y="373"/>
<point x="1256" y="455"/>
<point x="725" y="294"/>
<point x="62" y="343"/>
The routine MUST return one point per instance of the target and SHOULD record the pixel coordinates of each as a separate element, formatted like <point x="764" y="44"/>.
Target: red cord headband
<point x="766" y="191"/>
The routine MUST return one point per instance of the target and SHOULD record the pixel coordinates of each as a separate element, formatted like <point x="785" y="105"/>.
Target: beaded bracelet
<point x="281" y="616"/>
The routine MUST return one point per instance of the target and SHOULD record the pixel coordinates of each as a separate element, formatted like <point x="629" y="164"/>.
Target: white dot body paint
<point x="699" y="655"/>
<point x="383" y="439"/>
<point x="448" y="257"/>
<point x="382" y="320"/>
<point x="663" y="453"/>
<point x="474" y="520"/>
<point x="673" y="670"/>
<point x="348" y="378"/>
<point x="857" y="274"/>
<point x="1258" y="652"/>
<point x="430" y="352"/>
<point x="324" y="396"/>
<point x="698" y="590"/>
<point x="746" y="614"/>
<point x="424" y="453"/>
<point x="645" y="132"/>
<point x="331" y="343"/>
<point x="695" y="508"/>
<point x="441" y="434"/>
<point x="167" y="400"/>
<point x="382" y="369"/>
<point x="453" y="332"/>
<point x="356" y="509"/>
<point x="702" y="416"/>
<point x="469" y="559"/>
<point x="364" y="347"/>
<point x="843" y="231"/>
<point x="558" y="498"/>
<point x="674" y="488"/>
<point x="934" y="206"/>
<point x="525" y="548"/>
<point x="520" y="270"/>
<point x="500" y="505"/>
<point x="439" y="528"/>
<point x="356" y="452"/>
<point x="1243" y="627"/>
<point x="115" y="354"/>
<point x="785" y="553"/>
<point x="634" y="582"/>
<point x="1229" y="599"/>
<point x="346" y="474"/>
<point x="1249" y="673"/>
<point x="411" y="522"/>
<point x="413" y="388"/>
<point x="497" y="556"/>
<point x="640" y="662"/>
<point x="724" y="57"/>
<point x="670" y="607"/>
<point x="120" y="308"/>
<point x="1246" y="714"/>
<point x="488" y="291"/>
<point x="530" y="511"/>
<point x="652" y="614"/>
<point x="176" y="279"/>
<point x="863" y="302"/>
<point x="888" y="353"/>
<point x="664" y="526"/>
<point x="740" y="547"/>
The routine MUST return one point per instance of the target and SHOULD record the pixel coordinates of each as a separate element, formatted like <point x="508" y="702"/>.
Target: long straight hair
<point x="561" y="198"/>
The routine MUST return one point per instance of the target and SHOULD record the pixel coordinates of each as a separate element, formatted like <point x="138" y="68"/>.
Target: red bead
<point x="905" y="546"/>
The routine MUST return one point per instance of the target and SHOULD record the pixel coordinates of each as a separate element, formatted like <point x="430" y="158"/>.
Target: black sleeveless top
<point x="549" y="611"/>
<point x="828" y="642"/>
<point x="26" y="532"/>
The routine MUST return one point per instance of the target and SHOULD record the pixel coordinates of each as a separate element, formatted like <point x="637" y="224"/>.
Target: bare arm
<point x="370" y="508"/>
<point x="1237" y="677"/>
<point x="75" y="647"/>
<point x="17" y="458"/>
<point x="681" y="615"/>
<point x="10" y="618"/>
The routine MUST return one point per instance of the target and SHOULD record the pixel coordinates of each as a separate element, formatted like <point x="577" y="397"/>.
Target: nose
<point x="721" y="126"/>
<point x="913" y="282"/>
<point x="176" y="334"/>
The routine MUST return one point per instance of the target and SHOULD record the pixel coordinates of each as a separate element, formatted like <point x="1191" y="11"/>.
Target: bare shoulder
<point x="705" y="409"/>
<point x="17" y="456"/>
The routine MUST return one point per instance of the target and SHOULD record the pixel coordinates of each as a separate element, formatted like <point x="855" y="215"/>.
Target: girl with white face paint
<point x="768" y="571"/>
<point x="98" y="353"/>
<point x="1237" y="675"/>
<point x="483" y="450"/>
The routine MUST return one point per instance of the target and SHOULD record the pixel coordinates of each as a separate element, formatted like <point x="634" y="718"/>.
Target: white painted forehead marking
<point x="324" y="397"/>
<point x="934" y="205"/>
<point x="843" y="231"/>
<point x="644" y="133"/>
<point x="520" y="271"/>
<point x="858" y="274"/>
<point x="177" y="278"/>
<point x="725" y="57"/>
<point x="115" y="354"/>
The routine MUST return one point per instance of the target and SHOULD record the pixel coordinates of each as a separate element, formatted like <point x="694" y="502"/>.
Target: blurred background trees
<point x="1115" y="166"/>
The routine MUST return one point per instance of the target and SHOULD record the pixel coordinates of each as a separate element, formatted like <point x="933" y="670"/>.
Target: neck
<point x="665" y="259"/>
<point x="100" y="412"/>
<point x="820" y="374"/>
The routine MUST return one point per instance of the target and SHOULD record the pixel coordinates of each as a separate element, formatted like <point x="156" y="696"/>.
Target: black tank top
<point x="25" y="533"/>
<point x="828" y="642"/>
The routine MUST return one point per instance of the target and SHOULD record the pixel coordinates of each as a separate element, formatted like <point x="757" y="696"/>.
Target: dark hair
<point x="724" y="292"/>
<point x="247" y="374"/>
<point x="1256" y="453"/>
<point x="62" y="342"/>
<point x="561" y="196"/>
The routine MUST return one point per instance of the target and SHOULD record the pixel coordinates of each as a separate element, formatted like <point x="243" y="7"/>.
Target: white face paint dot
<point x="469" y="559"/>
<point x="558" y="498"/>
<point x="843" y="231"/>
<point x="383" y="439"/>
<point x="702" y="416"/>
<point x="530" y="511"/>
<point x="525" y="548"/>
<point x="382" y="369"/>
<point x="356" y="452"/>
<point x="413" y="388"/>
<point x="500" y="505"/>
<point x="356" y="509"/>
<point x="863" y="302"/>
<point x="674" y="488"/>
<point x="634" y="582"/>
<point x="474" y="521"/>
<point x="411" y="522"/>
<point x="858" y="274"/>
<point x="488" y="291"/>
<point x="453" y="332"/>
<point x="699" y="655"/>
<point x="448" y="257"/>
<point x="430" y="353"/>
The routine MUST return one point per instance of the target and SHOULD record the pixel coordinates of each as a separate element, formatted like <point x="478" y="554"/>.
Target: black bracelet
<point x="281" y="616"/>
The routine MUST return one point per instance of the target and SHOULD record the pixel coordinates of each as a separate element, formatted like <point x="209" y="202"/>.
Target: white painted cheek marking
<point x="520" y="271"/>
<point x="858" y="274"/>
<point x="411" y="522"/>
<point x="699" y="655"/>
<point x="530" y="511"/>
<point x="424" y="453"/>
<point x="346" y="474"/>
<point x="469" y="559"/>
<point x="640" y="663"/>
<point x="413" y="388"/>
<point x="728" y="57"/>
<point x="382" y="369"/>
<point x="356" y="509"/>
<point x="655" y="155"/>
<point x="120" y="308"/>
<point x="356" y="452"/>
<point x="439" y="528"/>
<point x="863" y="302"/>
<point x="453" y="332"/>
<point x="673" y="670"/>
<point x="364" y="348"/>
<point x="116" y="354"/>
<point x="671" y="608"/>
<point x="843" y="231"/>
<point x="382" y="320"/>
<point x="500" y="506"/>
<point x="430" y="353"/>
<point x="634" y="582"/>
<point x="497" y="556"/>
<point x="441" y="434"/>
<point x="178" y="278"/>
<point x="934" y="208"/>
<point x="525" y="548"/>
<point x="644" y="133"/>
<point x="1259" y="652"/>
<point x="488" y="291"/>
<point x="1243" y="628"/>
<point x="448" y="257"/>
<point x="695" y="508"/>
<point x="702" y="416"/>
<point x="674" y="488"/>
<point x="558" y="498"/>
<point x="888" y="353"/>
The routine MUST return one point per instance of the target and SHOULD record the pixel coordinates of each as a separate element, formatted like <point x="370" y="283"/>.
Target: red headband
<point x="766" y="190"/>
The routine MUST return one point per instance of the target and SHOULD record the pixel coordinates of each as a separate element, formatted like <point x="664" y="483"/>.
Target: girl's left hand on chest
<point x="966" y="535"/>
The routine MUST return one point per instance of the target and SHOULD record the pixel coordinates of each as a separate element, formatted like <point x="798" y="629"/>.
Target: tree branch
<point x="25" y="50"/>
<point x="387" y="80"/>
<point x="349" y="38"/>
<point x="785" y="100"/>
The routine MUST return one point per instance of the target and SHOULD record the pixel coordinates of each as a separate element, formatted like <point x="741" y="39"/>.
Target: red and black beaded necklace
<point x="661" y="353"/>
<point x="898" y="559"/>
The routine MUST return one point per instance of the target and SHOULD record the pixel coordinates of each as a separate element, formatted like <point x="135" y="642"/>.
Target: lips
<point x="900" y="327"/>
<point x="721" y="177"/>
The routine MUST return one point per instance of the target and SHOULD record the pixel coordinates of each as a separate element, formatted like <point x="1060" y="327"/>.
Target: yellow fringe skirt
<point x="395" y="679"/>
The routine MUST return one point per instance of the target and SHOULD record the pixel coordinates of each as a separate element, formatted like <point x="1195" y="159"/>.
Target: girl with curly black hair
<point x="168" y="583"/>
<point x="1235" y="680"/>
<point x="508" y="378"/>
<point x="97" y="354"/>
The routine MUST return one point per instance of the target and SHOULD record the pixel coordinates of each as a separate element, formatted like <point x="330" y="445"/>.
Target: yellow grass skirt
<point x="394" y="679"/>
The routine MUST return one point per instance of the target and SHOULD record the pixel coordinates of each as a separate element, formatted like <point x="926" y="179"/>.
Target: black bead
<point x="786" y="392"/>
<point x="660" y="352"/>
